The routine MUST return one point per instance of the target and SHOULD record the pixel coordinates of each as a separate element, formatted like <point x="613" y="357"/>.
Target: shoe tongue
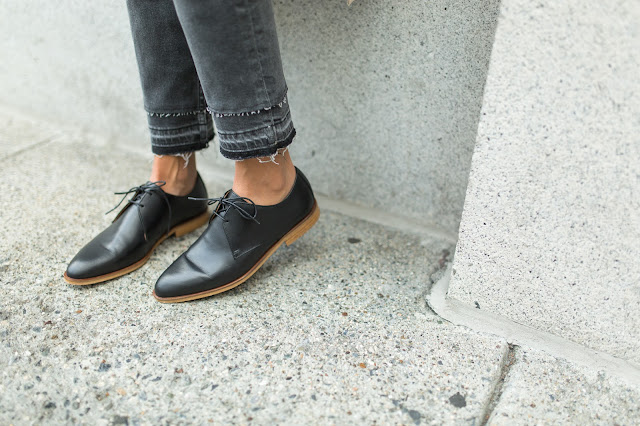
<point x="222" y="208"/>
<point x="247" y="206"/>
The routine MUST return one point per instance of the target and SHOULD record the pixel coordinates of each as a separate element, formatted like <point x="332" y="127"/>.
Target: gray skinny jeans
<point x="205" y="61"/>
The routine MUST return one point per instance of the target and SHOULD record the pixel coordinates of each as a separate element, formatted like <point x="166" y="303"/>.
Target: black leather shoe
<point x="241" y="236"/>
<point x="150" y="217"/>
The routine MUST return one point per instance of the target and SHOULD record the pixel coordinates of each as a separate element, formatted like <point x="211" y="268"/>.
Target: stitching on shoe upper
<point x="236" y="253"/>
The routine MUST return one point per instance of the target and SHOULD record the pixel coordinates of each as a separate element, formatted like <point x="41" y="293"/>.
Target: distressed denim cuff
<point x="179" y="133"/>
<point x="254" y="134"/>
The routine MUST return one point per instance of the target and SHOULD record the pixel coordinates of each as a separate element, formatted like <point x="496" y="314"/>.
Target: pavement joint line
<point x="379" y="217"/>
<point x="459" y="313"/>
<point x="16" y="153"/>
<point x="507" y="361"/>
<point x="374" y="215"/>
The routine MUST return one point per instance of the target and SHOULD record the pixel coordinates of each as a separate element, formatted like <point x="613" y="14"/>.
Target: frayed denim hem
<point x="251" y="135"/>
<point x="180" y="133"/>
<point x="179" y="150"/>
<point x="269" y="151"/>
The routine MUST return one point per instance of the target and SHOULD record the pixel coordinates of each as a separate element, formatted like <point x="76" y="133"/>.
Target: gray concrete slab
<point x="385" y="95"/>
<point x="550" y="235"/>
<point x="541" y="389"/>
<point x="331" y="330"/>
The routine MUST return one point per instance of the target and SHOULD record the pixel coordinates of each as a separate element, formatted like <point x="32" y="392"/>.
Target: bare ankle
<point x="178" y="172"/>
<point x="265" y="182"/>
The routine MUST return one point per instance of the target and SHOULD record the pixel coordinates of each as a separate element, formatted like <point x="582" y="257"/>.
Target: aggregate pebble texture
<point x="332" y="330"/>
<point x="541" y="389"/>
<point x="550" y="234"/>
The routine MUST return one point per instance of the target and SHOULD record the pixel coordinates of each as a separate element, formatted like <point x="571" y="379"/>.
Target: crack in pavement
<point x="459" y="313"/>
<point x="29" y="147"/>
<point x="507" y="362"/>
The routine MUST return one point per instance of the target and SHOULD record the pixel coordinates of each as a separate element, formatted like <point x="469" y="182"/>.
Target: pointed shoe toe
<point x="241" y="236"/>
<point x="181" y="276"/>
<point x="148" y="218"/>
<point x="92" y="261"/>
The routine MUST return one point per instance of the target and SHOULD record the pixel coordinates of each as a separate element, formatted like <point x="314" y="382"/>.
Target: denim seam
<point x="194" y="133"/>
<point x="255" y="43"/>
<point x="175" y="111"/>
<point x="271" y="145"/>
<point x="219" y="114"/>
<point x="196" y="136"/>
<point x="266" y="137"/>
<point x="179" y="149"/>
<point x="284" y="119"/>
<point x="155" y="143"/>
<point x="186" y="126"/>
<point x="168" y="133"/>
<point x="259" y="152"/>
<point x="202" y="119"/>
<point x="174" y="114"/>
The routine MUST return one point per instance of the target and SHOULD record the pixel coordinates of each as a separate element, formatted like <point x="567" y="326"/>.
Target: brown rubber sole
<point x="296" y="232"/>
<point x="177" y="231"/>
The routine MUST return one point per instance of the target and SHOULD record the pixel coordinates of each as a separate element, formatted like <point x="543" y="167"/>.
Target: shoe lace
<point x="227" y="203"/>
<point x="146" y="188"/>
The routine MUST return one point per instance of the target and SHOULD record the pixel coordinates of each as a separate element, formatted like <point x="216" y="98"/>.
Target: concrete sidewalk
<point x="332" y="330"/>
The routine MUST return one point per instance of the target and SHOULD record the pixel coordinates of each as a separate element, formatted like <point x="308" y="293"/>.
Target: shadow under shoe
<point x="240" y="237"/>
<point x="150" y="217"/>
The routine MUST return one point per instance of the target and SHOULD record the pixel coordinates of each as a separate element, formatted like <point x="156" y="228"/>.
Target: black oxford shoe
<point x="150" y="217"/>
<point x="240" y="237"/>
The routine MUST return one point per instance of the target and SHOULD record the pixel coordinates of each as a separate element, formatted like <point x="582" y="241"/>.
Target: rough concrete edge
<point x="461" y="314"/>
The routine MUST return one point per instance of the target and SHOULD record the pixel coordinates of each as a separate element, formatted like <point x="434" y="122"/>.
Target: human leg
<point x="178" y="121"/>
<point x="235" y="50"/>
<point x="179" y="125"/>
<point x="236" y="54"/>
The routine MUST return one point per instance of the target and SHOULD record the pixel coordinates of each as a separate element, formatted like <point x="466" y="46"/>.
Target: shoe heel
<point x="302" y="228"/>
<point x="191" y="225"/>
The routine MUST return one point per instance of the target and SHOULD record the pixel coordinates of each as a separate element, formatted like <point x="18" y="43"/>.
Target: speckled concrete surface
<point x="550" y="235"/>
<point x="385" y="94"/>
<point x="333" y="329"/>
<point x="541" y="389"/>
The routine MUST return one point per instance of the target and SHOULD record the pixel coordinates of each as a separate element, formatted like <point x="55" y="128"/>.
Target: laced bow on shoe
<point x="227" y="203"/>
<point x="136" y="200"/>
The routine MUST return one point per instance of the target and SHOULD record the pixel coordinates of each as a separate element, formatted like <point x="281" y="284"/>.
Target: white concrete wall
<point x="385" y="95"/>
<point x="550" y="234"/>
